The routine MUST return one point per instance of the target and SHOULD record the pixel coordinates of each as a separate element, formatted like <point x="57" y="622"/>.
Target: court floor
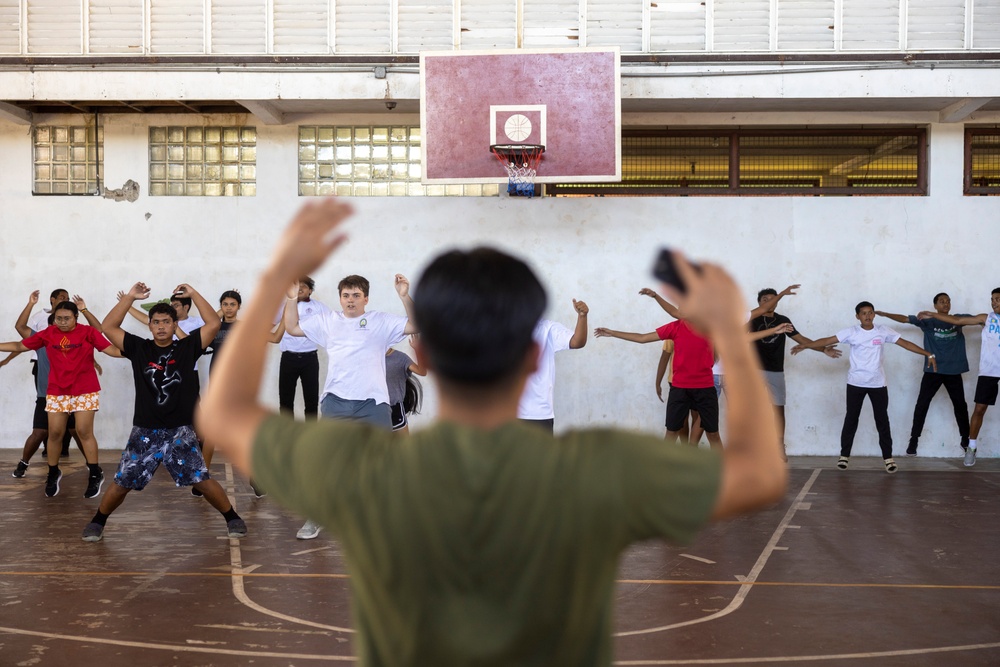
<point x="853" y="568"/>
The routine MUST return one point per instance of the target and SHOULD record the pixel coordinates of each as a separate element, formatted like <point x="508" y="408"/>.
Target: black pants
<point x="929" y="386"/>
<point x="880" y="408"/>
<point x="296" y="366"/>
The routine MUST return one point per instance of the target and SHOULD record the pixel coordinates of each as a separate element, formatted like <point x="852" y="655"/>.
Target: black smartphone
<point x="665" y="270"/>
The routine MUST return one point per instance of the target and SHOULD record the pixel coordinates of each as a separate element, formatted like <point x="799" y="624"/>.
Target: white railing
<point x="358" y="27"/>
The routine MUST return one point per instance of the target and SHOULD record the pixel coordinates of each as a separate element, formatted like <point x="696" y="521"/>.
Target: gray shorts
<point x="367" y="411"/>
<point x="776" y="385"/>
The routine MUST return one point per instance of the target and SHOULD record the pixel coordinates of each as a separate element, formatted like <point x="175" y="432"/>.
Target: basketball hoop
<point x="521" y="162"/>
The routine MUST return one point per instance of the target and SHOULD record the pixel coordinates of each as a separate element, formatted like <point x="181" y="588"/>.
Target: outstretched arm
<point x="21" y="325"/>
<point x="212" y="320"/>
<point x="670" y="308"/>
<point x="815" y="344"/>
<point x="403" y="290"/>
<point x="13" y="346"/>
<point x="138" y="313"/>
<point x="601" y="332"/>
<point x="916" y="349"/>
<point x="830" y="350"/>
<point x="579" y="338"/>
<point x="753" y="473"/>
<point x="772" y="304"/>
<point x="953" y="319"/>
<point x="230" y="413"/>
<point x="896" y="317"/>
<point x="111" y="327"/>
<point x="6" y="360"/>
<point x="81" y="305"/>
<point x="764" y="333"/>
<point x="415" y="367"/>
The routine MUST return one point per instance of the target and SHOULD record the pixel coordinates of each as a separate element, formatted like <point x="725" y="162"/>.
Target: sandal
<point x="890" y="466"/>
<point x="842" y="462"/>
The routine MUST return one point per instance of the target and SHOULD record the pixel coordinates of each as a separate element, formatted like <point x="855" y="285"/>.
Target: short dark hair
<point x="309" y="282"/>
<point x="995" y="291"/>
<point x="231" y="294"/>
<point x="764" y="292"/>
<point x="476" y="311"/>
<point x="164" y="308"/>
<point x="939" y="295"/>
<point x="67" y="305"/>
<point x="56" y="292"/>
<point x="183" y="300"/>
<point x="863" y="304"/>
<point x="354" y="281"/>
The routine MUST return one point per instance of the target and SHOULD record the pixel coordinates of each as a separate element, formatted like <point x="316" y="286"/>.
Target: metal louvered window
<point x="67" y="159"/>
<point x="370" y="161"/>
<point x="982" y="161"/>
<point x="203" y="161"/>
<point x="767" y="162"/>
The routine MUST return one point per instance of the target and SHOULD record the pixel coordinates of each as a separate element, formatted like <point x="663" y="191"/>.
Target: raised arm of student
<point x="111" y="327"/>
<point x="896" y="317"/>
<point x="291" y="314"/>
<point x="21" y="325"/>
<point x="953" y="319"/>
<point x="579" y="338"/>
<point x="830" y="350"/>
<point x="753" y="472"/>
<point x="916" y="349"/>
<point x="230" y="412"/>
<point x="817" y="344"/>
<point x="402" y="286"/>
<point x="773" y="303"/>
<point x="212" y="320"/>
<point x="278" y="331"/>
<point x="668" y="307"/>
<point x="138" y="313"/>
<point x="81" y="305"/>
<point x="764" y="333"/>
<point x="601" y="332"/>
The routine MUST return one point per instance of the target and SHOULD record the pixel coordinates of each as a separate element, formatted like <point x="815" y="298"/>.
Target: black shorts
<point x="40" y="420"/>
<point x="681" y="401"/>
<point x="398" y="417"/>
<point x="986" y="390"/>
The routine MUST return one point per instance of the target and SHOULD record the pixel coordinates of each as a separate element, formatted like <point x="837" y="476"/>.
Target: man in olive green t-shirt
<point x="480" y="540"/>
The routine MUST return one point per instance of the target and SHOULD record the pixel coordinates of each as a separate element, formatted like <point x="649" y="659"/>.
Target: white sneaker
<point x="970" y="457"/>
<point x="308" y="531"/>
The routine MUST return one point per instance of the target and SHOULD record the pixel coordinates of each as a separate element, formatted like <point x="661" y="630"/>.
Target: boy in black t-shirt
<point x="166" y="392"/>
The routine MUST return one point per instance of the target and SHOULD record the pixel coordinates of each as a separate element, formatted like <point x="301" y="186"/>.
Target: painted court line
<point x="814" y="658"/>
<point x="698" y="558"/>
<point x="746" y="584"/>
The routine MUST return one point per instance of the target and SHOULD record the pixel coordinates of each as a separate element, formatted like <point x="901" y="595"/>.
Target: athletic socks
<point x="100" y="518"/>
<point x="231" y="514"/>
<point x="972" y="444"/>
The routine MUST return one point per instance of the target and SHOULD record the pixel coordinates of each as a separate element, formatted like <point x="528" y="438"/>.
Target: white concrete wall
<point x="895" y="251"/>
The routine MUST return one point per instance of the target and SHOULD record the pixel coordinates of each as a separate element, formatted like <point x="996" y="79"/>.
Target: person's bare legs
<point x="779" y="415"/>
<point x="214" y="494"/>
<point x="112" y="498"/>
<point x="976" y="422"/>
<point x="85" y="431"/>
<point x="33" y="442"/>
<point x="207" y="450"/>
<point x="53" y="445"/>
<point x="714" y="439"/>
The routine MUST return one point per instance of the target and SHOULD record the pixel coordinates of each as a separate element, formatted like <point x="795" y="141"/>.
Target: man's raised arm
<point x="402" y="286"/>
<point x="290" y="315"/>
<point x="753" y="473"/>
<point x="21" y="325"/>
<point x="579" y="338"/>
<point x="111" y="327"/>
<point x="671" y="310"/>
<point x="230" y="413"/>
<point x="211" y="318"/>
<point x="895" y="317"/>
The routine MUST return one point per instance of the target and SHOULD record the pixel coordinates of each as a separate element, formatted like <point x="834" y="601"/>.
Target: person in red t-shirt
<point x="73" y="387"/>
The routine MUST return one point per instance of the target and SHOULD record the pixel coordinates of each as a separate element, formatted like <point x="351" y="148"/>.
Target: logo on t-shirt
<point x="876" y="341"/>
<point x="363" y="323"/>
<point x="65" y="345"/>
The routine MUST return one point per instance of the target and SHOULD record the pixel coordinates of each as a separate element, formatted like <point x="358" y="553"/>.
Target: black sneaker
<point x="911" y="449"/>
<point x="93" y="532"/>
<point x="52" y="483"/>
<point x="94" y="484"/>
<point x="19" y="471"/>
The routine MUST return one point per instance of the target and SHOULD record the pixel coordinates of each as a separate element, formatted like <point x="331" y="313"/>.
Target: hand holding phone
<point x="665" y="270"/>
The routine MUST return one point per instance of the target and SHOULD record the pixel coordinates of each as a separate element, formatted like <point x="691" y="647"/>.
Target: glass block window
<point x="203" y="161"/>
<point x="67" y="159"/>
<point x="792" y="161"/>
<point x="982" y="161"/>
<point x="370" y="161"/>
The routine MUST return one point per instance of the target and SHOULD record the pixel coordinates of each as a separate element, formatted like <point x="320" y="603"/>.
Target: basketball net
<point x="521" y="162"/>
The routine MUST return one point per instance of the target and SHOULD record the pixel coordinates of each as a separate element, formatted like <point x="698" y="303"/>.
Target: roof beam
<point x="15" y="114"/>
<point x="962" y="109"/>
<point x="266" y="112"/>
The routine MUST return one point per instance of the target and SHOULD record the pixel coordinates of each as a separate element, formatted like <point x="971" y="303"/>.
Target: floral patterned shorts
<point x="82" y="403"/>
<point x="175" y="448"/>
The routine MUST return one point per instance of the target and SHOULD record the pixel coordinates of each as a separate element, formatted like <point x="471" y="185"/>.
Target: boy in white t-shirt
<point x="866" y="378"/>
<point x="355" y="341"/>
<point x="536" y="404"/>
<point x="989" y="365"/>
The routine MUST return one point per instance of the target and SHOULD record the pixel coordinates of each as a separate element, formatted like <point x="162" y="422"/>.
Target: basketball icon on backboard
<point x="513" y="124"/>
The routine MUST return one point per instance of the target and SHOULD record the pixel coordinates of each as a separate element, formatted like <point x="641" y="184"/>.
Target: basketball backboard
<point x="568" y="101"/>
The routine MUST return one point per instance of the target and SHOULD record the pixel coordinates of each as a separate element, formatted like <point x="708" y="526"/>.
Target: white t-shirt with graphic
<point x="866" y="354"/>
<point x="356" y="350"/>
<point x="306" y="310"/>
<point x="989" y="355"/>
<point x="536" y="401"/>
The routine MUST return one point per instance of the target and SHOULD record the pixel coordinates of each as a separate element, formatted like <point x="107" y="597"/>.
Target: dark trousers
<point x="295" y="367"/>
<point x="880" y="408"/>
<point x="929" y="386"/>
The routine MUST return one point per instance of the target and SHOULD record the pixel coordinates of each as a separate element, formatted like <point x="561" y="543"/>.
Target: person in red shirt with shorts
<point x="73" y="387"/>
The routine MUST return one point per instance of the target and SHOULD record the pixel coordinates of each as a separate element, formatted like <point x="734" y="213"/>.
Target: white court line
<point x="748" y="581"/>
<point x="239" y="590"/>
<point x="180" y="648"/>
<point x="698" y="558"/>
<point x="813" y="658"/>
<point x="309" y="551"/>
